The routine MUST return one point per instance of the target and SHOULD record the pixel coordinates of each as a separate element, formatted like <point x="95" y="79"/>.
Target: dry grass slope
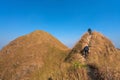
<point x="31" y="55"/>
<point x="39" y="56"/>
<point x="103" y="60"/>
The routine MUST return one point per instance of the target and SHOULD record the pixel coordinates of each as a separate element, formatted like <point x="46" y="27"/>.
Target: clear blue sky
<point x="67" y="20"/>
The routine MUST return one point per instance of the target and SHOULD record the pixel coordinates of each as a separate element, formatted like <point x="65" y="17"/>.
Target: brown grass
<point x="103" y="56"/>
<point x="39" y="56"/>
<point x="29" y="54"/>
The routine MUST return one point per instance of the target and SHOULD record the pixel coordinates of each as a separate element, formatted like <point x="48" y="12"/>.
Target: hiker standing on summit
<point x="89" y="31"/>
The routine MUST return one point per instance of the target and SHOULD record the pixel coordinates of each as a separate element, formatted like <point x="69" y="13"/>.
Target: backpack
<point x="86" y="48"/>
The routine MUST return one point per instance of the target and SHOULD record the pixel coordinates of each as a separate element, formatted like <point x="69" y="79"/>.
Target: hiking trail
<point x="92" y="70"/>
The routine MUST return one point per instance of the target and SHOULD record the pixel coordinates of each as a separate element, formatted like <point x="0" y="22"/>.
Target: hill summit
<point x="97" y="42"/>
<point x="102" y="61"/>
<point x="28" y="54"/>
<point x="35" y="38"/>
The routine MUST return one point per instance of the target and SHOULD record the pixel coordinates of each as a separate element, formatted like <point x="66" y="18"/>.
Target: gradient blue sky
<point x="67" y="20"/>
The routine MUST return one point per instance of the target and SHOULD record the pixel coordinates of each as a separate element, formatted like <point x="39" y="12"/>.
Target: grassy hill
<point x="32" y="56"/>
<point x="102" y="62"/>
<point x="40" y="56"/>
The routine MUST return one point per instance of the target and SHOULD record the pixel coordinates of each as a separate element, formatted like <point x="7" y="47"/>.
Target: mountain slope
<point x="27" y="56"/>
<point x="102" y="62"/>
<point x="39" y="56"/>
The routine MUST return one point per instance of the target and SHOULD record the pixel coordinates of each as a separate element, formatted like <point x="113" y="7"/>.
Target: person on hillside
<point x="50" y="78"/>
<point x="85" y="51"/>
<point x="89" y="31"/>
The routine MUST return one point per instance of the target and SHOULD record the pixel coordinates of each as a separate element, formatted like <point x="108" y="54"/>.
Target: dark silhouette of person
<point x="86" y="51"/>
<point x="50" y="78"/>
<point x="89" y="31"/>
